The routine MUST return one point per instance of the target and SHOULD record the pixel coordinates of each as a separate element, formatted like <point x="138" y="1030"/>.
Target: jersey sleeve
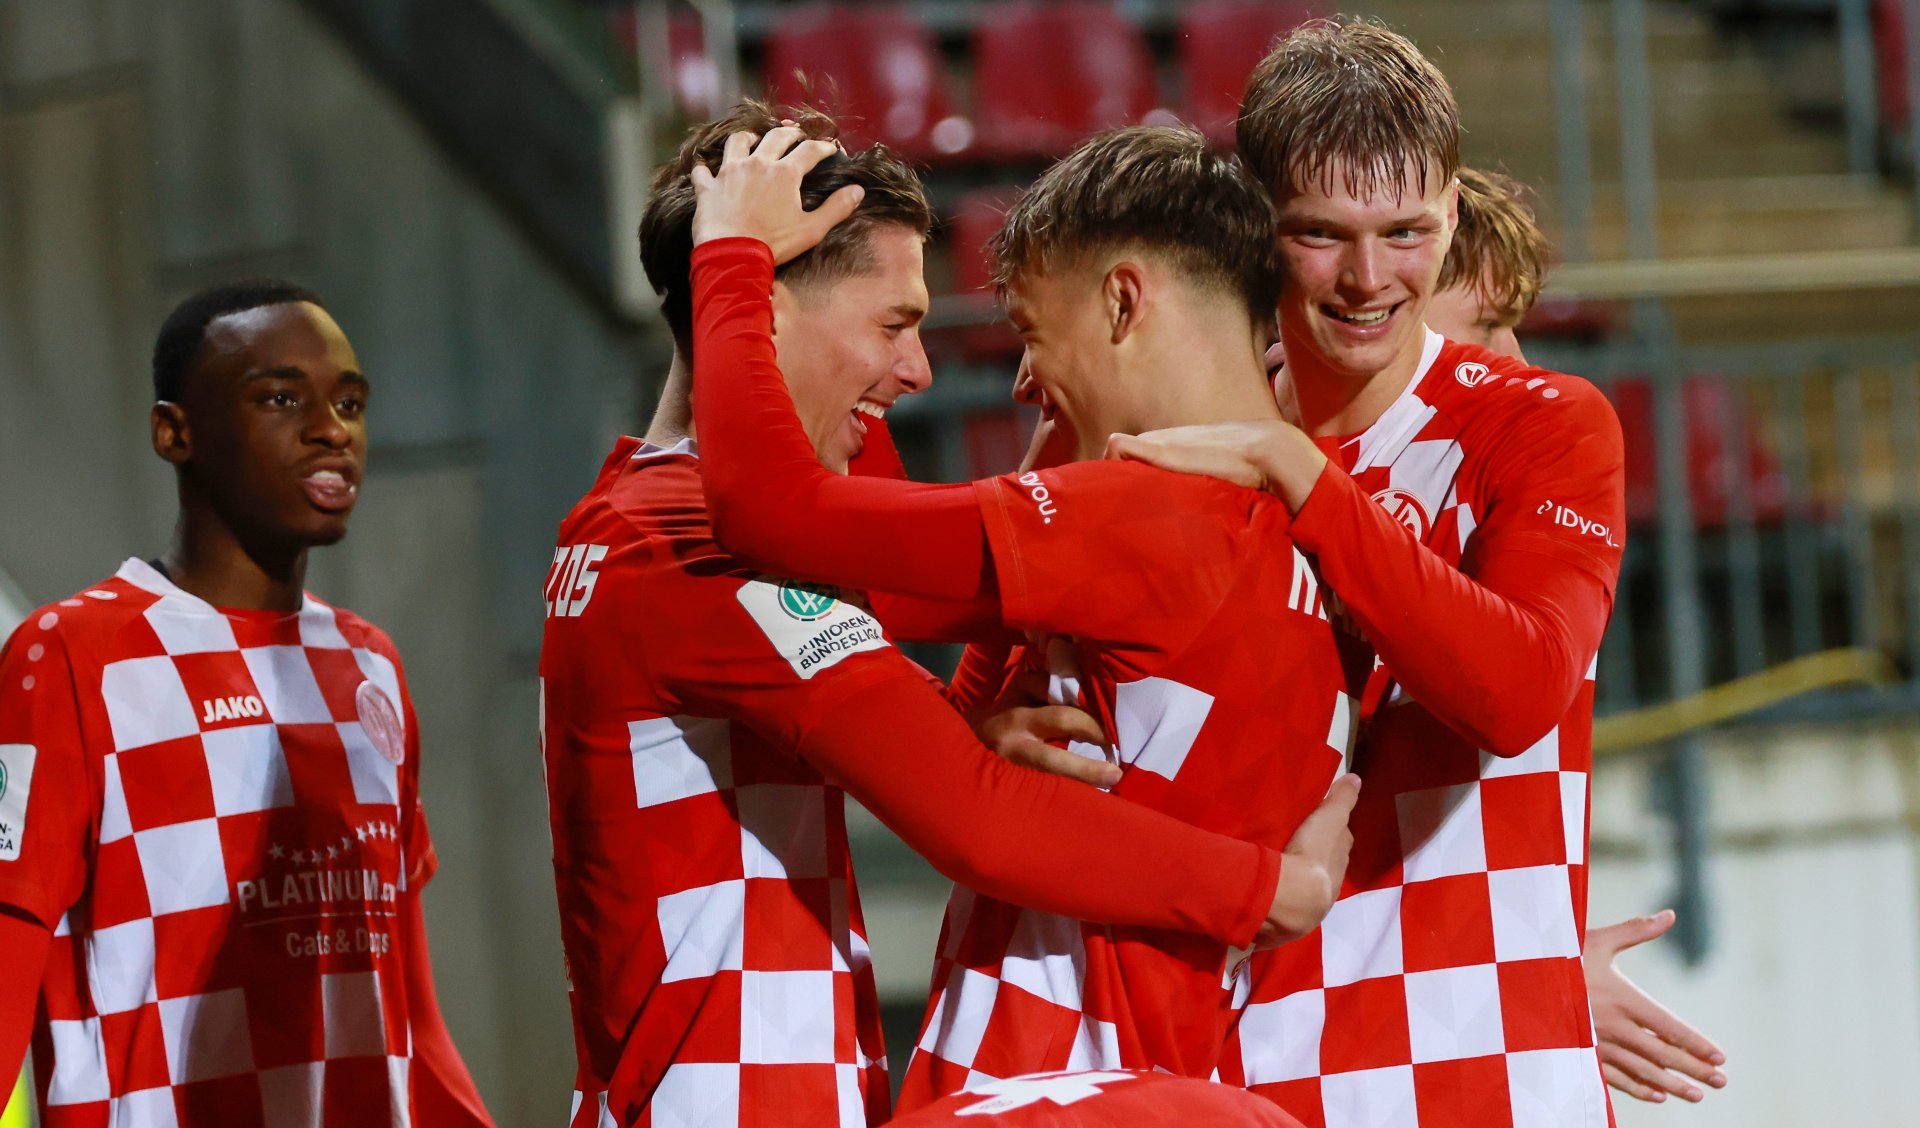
<point x="47" y="803"/>
<point x="1530" y="595"/>
<point x="816" y="674"/>
<point x="422" y="862"/>
<point x="1115" y="551"/>
<point x="772" y="504"/>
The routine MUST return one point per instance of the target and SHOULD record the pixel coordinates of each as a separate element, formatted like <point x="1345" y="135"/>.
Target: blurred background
<point x="1729" y="185"/>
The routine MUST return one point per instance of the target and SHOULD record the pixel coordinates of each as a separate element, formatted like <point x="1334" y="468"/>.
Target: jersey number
<point x="570" y="583"/>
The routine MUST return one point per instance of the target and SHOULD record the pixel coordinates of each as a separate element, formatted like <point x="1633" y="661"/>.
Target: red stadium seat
<point x="695" y="80"/>
<point x="1712" y="405"/>
<point x="1890" y="50"/>
<point x="1219" y="43"/>
<point x="975" y="219"/>
<point x="876" y="68"/>
<point x="1047" y="76"/>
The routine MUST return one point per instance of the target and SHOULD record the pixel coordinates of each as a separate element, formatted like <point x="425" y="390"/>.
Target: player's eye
<point x="281" y="398"/>
<point x="352" y="405"/>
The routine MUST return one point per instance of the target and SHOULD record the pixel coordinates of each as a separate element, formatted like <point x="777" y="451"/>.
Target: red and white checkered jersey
<point x="713" y="935"/>
<point x="1099" y="1099"/>
<point x="217" y="812"/>
<point x="1218" y="679"/>
<point x="1445" y="989"/>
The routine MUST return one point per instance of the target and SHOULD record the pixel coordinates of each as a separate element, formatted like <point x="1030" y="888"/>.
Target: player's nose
<point x="913" y="372"/>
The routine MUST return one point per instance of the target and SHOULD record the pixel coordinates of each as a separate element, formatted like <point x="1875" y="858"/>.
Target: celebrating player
<point x="1494" y="272"/>
<point x="700" y="720"/>
<point x="1214" y="671"/>
<point x="1467" y="510"/>
<point x="211" y="844"/>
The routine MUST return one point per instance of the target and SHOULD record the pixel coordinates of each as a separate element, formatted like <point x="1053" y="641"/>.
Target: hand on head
<point x="756" y="193"/>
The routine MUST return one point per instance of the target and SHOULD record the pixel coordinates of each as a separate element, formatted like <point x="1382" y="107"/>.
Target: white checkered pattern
<point x="229" y="954"/>
<point x="1445" y="991"/>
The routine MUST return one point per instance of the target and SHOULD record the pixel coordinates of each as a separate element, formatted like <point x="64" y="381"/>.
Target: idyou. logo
<point x="1406" y="509"/>
<point x="1471" y="374"/>
<point x="1568" y="519"/>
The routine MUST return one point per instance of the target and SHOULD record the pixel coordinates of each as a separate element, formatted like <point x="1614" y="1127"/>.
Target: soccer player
<point x="700" y="721"/>
<point x="1099" y="1099"/>
<point x="1494" y="271"/>
<point x="211" y="843"/>
<point x="1214" y="671"/>
<point x="1467" y="511"/>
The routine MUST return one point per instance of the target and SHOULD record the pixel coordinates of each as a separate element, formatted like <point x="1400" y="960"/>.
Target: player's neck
<point x="1206" y="378"/>
<point x="209" y="560"/>
<point x="1336" y="402"/>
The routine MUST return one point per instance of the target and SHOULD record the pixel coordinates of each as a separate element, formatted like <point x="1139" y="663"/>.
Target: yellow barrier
<point x="16" y="1106"/>
<point x="1625" y="731"/>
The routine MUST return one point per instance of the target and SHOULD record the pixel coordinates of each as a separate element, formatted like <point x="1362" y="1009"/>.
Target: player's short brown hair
<point x="1347" y="91"/>
<point x="1159" y="188"/>
<point x="1498" y="249"/>
<point x="893" y="196"/>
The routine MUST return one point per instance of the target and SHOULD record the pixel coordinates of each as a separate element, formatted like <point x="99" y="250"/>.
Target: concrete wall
<point x="148" y="147"/>
<point x="1812" y="982"/>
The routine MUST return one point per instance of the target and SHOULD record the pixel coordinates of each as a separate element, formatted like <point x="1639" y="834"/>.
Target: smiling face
<point x="1068" y="368"/>
<point x="1360" y="270"/>
<point x="271" y="427"/>
<point x="850" y="346"/>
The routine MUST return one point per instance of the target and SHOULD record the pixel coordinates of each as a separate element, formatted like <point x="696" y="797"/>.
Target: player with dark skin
<point x="268" y="441"/>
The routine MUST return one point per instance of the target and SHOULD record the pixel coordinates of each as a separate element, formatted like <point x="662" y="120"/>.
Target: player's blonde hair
<point x="1161" y="189"/>
<point x="1498" y="249"/>
<point x="1347" y="92"/>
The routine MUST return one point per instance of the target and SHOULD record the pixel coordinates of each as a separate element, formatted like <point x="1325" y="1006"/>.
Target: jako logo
<point x="1471" y="374"/>
<point x="230" y="708"/>
<point x="1568" y="519"/>
<point x="1041" y="498"/>
<point x="1406" y="509"/>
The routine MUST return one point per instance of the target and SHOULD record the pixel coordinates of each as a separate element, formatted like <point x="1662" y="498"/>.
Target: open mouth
<point x="1361" y="318"/>
<point x="331" y="490"/>
<point x="871" y="410"/>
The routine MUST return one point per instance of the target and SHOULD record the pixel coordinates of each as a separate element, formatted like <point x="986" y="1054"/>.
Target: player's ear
<point x="786" y="306"/>
<point x="1124" y="291"/>
<point x="172" y="438"/>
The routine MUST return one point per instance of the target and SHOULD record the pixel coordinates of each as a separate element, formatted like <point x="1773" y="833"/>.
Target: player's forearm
<point x="25" y="941"/>
<point x="1032" y="839"/>
<point x="771" y="502"/>
<point x="1497" y="657"/>
<point x="912" y="619"/>
<point x="979" y="677"/>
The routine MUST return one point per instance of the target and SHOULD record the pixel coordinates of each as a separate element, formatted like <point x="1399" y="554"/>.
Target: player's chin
<point x="319" y="528"/>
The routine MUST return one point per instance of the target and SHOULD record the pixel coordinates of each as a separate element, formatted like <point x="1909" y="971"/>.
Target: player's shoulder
<point x="1480" y="389"/>
<point x="318" y="617"/>
<point x="1136" y="487"/>
<point x="92" y="618"/>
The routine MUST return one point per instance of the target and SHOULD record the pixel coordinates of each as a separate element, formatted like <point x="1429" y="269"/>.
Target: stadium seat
<point x="876" y="68"/>
<point x="976" y="217"/>
<point x="695" y="80"/>
<point x="1713" y="405"/>
<point x="1047" y="76"/>
<point x="1218" y="44"/>
<point x="1890" y="49"/>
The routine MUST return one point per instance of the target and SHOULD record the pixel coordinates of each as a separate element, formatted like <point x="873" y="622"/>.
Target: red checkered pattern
<point x="720" y="968"/>
<point x="1099" y="1099"/>
<point x="1228" y="706"/>
<point x="250" y="783"/>
<point x="1445" y="988"/>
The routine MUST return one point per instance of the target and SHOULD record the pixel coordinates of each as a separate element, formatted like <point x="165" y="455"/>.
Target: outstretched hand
<point x="1646" y="1051"/>
<point x="1312" y="867"/>
<point x="756" y="193"/>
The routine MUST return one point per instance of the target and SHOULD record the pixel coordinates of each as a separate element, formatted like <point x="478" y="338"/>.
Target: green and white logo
<point x="3" y="779"/>
<point x="807" y="602"/>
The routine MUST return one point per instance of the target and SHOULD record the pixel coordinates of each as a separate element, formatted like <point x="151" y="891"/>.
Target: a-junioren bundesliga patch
<point x="810" y="625"/>
<point x="16" y="777"/>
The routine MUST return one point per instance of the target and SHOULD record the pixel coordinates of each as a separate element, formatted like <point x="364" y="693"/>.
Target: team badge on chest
<point x="381" y="721"/>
